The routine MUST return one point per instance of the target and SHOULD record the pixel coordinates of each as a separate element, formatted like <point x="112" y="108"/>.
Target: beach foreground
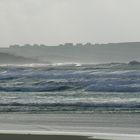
<point x="70" y="126"/>
<point x="40" y="137"/>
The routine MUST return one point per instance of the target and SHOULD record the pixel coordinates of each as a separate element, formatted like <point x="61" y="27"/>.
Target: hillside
<point x="7" y="58"/>
<point x="79" y="53"/>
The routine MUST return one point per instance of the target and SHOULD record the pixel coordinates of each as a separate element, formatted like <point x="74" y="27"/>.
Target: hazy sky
<point x="58" y="21"/>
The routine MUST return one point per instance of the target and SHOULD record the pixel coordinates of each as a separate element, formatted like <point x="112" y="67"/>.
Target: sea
<point x="70" y="88"/>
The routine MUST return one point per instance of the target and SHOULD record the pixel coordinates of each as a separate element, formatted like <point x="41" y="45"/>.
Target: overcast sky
<point x="57" y="21"/>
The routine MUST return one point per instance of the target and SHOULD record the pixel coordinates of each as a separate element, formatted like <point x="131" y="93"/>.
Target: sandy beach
<point x="40" y="137"/>
<point x="70" y="126"/>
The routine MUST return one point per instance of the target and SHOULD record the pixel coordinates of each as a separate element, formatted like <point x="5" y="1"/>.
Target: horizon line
<point x="66" y="43"/>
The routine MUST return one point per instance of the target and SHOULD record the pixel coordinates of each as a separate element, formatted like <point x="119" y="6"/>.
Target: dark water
<point x="70" y="88"/>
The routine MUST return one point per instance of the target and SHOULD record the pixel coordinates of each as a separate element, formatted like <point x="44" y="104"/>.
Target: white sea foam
<point x="77" y="85"/>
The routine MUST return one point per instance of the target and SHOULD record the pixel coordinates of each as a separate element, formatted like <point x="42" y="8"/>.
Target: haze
<point x="58" y="21"/>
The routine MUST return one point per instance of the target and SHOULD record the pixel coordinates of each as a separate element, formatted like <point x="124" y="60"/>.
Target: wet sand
<point x="100" y="126"/>
<point x="40" y="137"/>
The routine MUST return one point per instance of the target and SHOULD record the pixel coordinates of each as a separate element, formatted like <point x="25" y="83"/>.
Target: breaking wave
<point x="70" y="87"/>
<point x="114" y="77"/>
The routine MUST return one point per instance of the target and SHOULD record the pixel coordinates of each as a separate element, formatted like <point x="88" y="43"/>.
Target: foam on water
<point x="70" y="87"/>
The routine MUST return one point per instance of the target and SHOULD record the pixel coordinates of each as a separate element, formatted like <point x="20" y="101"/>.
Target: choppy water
<point x="70" y="88"/>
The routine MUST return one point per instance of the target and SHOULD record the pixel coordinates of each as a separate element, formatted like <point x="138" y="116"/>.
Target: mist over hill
<point x="7" y="58"/>
<point x="78" y="53"/>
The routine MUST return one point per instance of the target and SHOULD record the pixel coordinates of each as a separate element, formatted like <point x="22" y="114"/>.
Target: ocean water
<point x="79" y="88"/>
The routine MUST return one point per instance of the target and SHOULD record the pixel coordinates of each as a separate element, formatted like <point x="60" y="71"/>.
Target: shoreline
<point x="41" y="137"/>
<point x="51" y="135"/>
<point x="99" y="126"/>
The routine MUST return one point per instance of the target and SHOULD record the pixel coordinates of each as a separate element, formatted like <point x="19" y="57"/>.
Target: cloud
<point x="58" y="21"/>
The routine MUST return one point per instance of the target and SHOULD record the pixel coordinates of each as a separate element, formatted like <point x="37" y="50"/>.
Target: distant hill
<point x="78" y="53"/>
<point x="7" y="58"/>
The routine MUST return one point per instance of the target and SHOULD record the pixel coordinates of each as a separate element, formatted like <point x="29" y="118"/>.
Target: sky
<point x="54" y="22"/>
